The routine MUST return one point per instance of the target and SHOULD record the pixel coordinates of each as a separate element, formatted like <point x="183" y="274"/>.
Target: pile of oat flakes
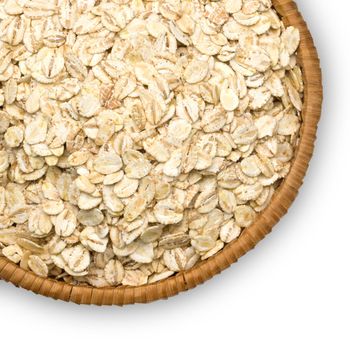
<point x="139" y="137"/>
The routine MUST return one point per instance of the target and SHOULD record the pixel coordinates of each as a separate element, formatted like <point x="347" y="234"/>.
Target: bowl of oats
<point x="147" y="145"/>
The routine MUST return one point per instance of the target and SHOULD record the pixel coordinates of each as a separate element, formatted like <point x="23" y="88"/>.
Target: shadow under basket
<point x="281" y="201"/>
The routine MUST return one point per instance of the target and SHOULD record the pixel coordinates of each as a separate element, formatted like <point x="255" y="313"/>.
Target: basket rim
<point x="266" y="220"/>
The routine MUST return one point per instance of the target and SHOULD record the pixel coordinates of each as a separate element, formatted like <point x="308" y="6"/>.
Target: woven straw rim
<point x="205" y="270"/>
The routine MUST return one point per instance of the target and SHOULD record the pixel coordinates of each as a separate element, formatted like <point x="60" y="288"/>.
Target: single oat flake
<point x="140" y="137"/>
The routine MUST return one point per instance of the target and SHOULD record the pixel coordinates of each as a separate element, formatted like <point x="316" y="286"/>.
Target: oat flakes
<point x="140" y="137"/>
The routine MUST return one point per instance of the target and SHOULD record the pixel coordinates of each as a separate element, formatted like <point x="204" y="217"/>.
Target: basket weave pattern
<point x="282" y="200"/>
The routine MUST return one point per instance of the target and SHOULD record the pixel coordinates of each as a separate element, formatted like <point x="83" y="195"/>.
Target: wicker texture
<point x="205" y="270"/>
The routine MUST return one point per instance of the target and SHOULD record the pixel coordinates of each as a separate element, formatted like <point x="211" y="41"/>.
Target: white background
<point x="292" y="292"/>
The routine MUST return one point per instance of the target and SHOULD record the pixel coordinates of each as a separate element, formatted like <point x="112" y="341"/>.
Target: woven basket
<point x="205" y="270"/>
